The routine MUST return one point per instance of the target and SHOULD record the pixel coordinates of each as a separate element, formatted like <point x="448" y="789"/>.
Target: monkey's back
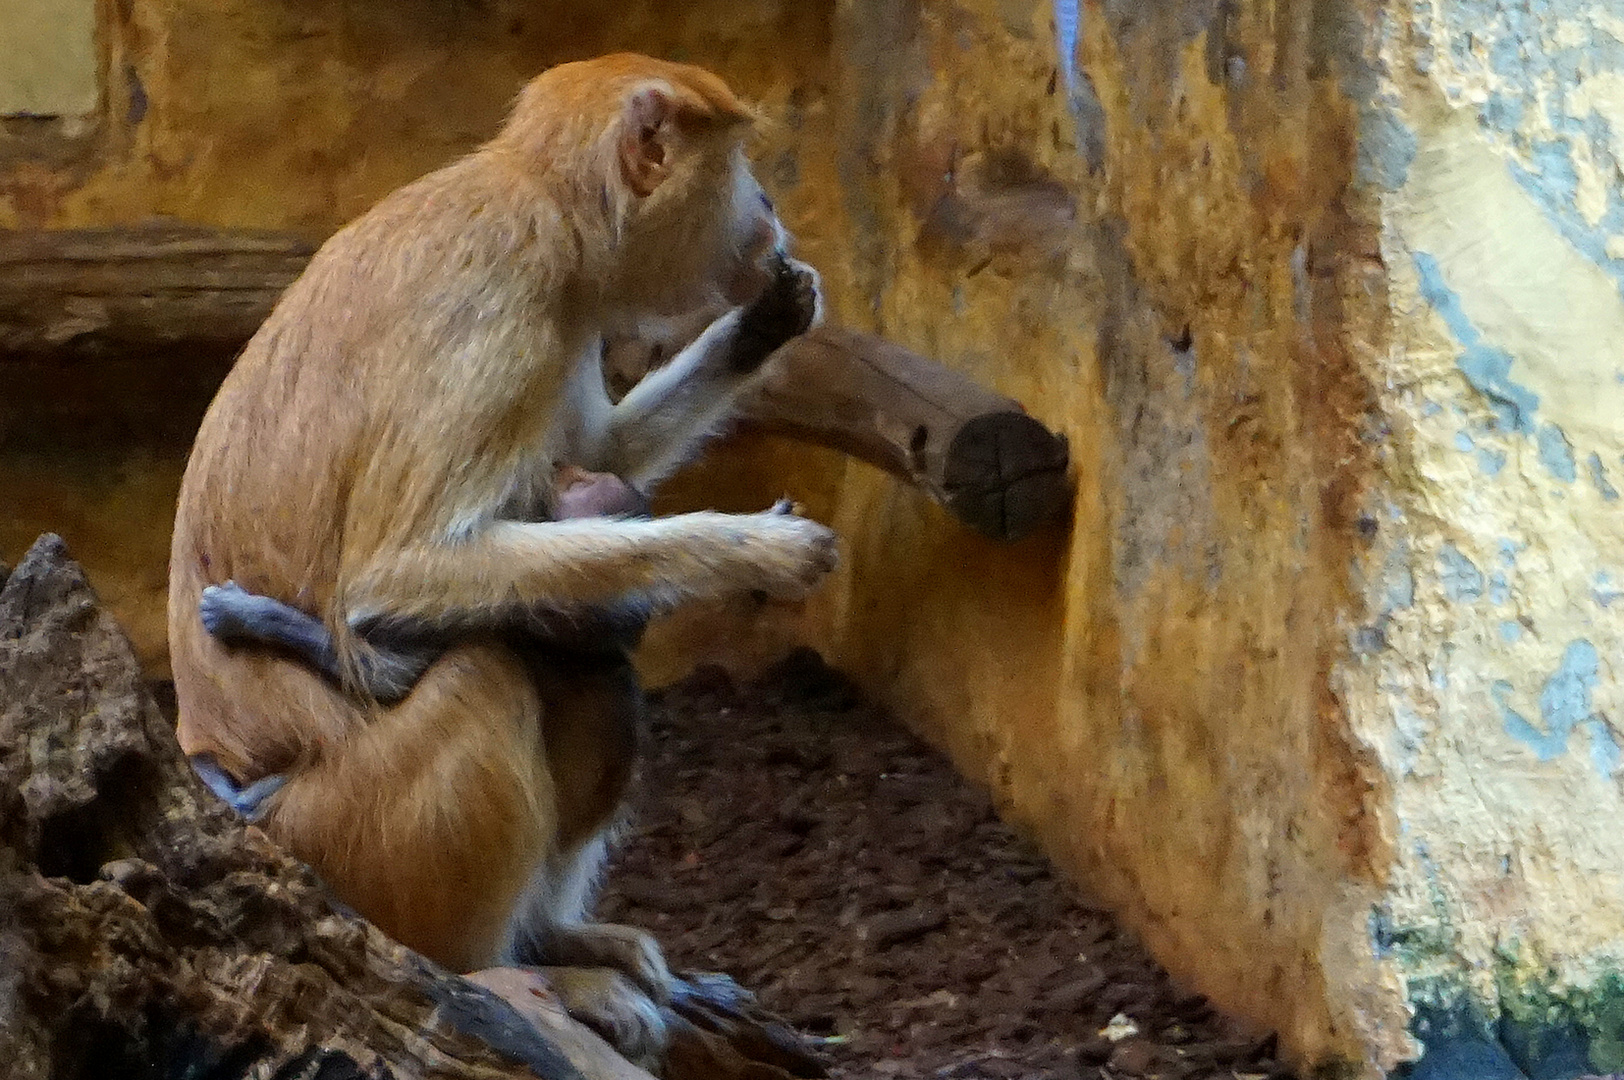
<point x="343" y="428"/>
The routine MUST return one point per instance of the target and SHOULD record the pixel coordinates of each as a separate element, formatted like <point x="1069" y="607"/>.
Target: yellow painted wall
<point x="1487" y="676"/>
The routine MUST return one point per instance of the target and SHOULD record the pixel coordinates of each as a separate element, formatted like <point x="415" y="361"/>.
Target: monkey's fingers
<point x="788" y="506"/>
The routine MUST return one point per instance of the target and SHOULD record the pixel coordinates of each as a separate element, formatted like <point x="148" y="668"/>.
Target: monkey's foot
<point x="611" y="1005"/>
<point x="717" y="1029"/>
<point x="625" y="949"/>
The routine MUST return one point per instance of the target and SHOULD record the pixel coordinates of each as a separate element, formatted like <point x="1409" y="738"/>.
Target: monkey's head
<point x="658" y="149"/>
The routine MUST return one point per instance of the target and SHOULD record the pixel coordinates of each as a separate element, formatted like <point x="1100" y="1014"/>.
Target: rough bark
<point x="147" y="931"/>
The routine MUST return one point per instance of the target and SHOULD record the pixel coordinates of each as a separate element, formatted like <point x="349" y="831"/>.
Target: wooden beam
<point x="974" y="451"/>
<point x="144" y="292"/>
<point x="88" y="292"/>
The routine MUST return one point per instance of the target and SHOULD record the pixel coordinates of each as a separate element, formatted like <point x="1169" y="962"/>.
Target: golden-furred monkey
<point x="383" y="454"/>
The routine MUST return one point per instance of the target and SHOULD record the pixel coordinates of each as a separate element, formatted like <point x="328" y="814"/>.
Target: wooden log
<point x="86" y="292"/>
<point x="145" y="930"/>
<point x="976" y="452"/>
<point x="121" y="292"/>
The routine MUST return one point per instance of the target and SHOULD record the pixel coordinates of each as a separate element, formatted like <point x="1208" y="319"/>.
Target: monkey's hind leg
<point x="610" y="977"/>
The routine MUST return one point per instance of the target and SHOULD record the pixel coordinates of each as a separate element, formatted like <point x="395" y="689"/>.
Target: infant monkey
<point x="400" y="653"/>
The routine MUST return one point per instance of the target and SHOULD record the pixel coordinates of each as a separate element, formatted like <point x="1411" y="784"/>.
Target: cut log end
<point x="1006" y="474"/>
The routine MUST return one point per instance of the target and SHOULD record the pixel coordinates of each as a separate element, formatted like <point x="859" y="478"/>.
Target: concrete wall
<point x="1315" y="690"/>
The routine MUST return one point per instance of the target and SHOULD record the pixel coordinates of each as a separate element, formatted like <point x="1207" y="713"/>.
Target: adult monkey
<point x="383" y="452"/>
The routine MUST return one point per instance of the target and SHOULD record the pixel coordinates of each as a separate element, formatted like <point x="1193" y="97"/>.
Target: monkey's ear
<point x="647" y="125"/>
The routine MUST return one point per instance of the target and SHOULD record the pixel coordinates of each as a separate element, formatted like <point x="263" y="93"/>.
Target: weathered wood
<point x="92" y="291"/>
<point x="976" y="452"/>
<point x="145" y="930"/>
<point x="116" y="293"/>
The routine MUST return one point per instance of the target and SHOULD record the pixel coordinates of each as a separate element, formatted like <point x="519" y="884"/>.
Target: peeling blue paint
<point x="1463" y="442"/>
<point x="1490" y="462"/>
<point x="1431" y="408"/>
<point x="1603" y="592"/>
<point x="1565" y="700"/>
<point x="1526" y="60"/>
<point x="1564" y="703"/>
<point x="1387" y="146"/>
<point x="1499" y="588"/>
<point x="1545" y="746"/>
<point x="1486" y="367"/>
<point x="1438" y="669"/>
<point x="1555" y="453"/>
<point x="1508" y="551"/>
<point x="1462" y="580"/>
<point x="1065" y="33"/>
<point x="1555" y="188"/>
<point x="1510" y="630"/>
<point x="1502" y="112"/>
<point x="1598" y="476"/>
<point x="1604" y="751"/>
<point x="1080" y="95"/>
<point x="1400" y="592"/>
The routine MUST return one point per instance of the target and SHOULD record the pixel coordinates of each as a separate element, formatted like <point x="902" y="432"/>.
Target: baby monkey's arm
<point x="395" y="659"/>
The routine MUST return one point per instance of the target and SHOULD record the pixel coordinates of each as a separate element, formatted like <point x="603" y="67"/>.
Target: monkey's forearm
<point x="664" y="420"/>
<point x="517" y="566"/>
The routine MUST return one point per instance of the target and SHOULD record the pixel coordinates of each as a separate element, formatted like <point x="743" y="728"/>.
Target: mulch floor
<point x="795" y="837"/>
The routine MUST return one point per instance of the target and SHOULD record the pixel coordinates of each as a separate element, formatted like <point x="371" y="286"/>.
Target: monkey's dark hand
<point x="788" y="308"/>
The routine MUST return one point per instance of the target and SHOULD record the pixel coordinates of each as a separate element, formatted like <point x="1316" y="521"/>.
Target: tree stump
<point x="147" y="931"/>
